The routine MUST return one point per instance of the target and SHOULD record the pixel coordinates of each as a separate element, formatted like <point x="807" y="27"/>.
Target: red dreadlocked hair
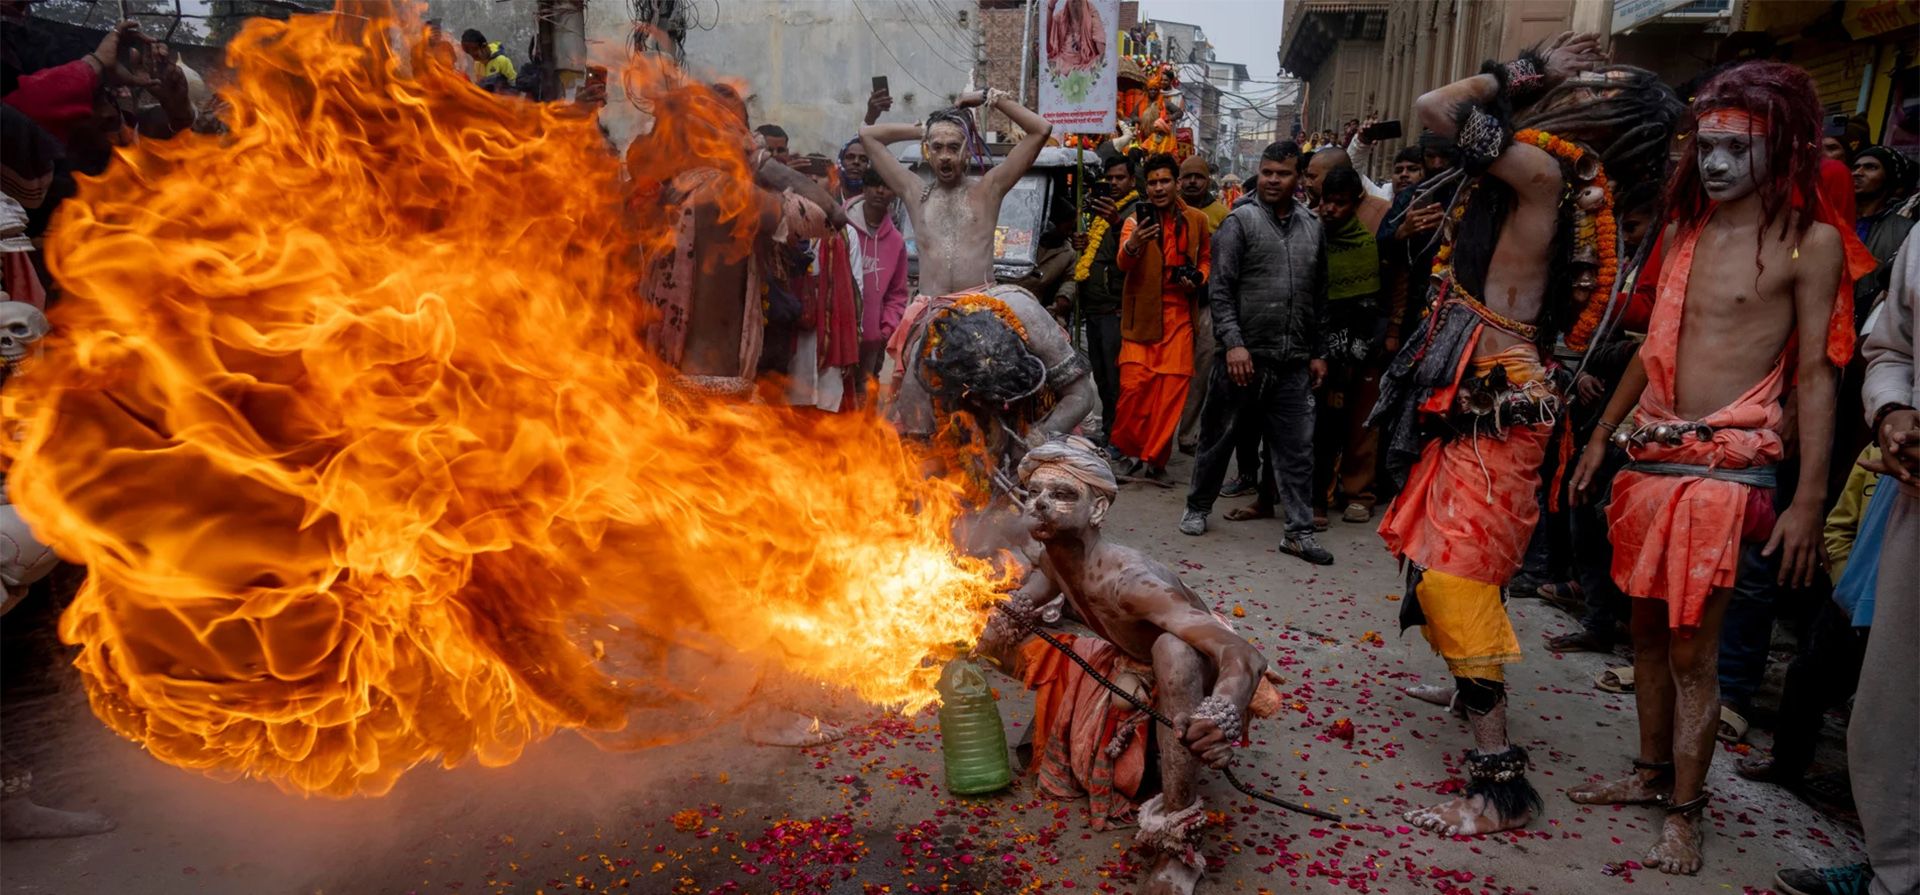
<point x="1783" y="97"/>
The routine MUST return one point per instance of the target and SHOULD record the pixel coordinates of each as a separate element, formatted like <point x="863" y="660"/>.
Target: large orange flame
<point x="350" y="423"/>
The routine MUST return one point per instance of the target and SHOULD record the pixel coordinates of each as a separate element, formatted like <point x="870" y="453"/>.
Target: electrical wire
<point x="889" y="50"/>
<point x="909" y="19"/>
<point x="914" y="19"/>
<point x="954" y="36"/>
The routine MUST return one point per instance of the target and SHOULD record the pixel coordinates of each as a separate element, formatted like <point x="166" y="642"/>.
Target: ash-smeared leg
<point x="1677" y="850"/>
<point x="1498" y="796"/>
<point x="1170" y="822"/>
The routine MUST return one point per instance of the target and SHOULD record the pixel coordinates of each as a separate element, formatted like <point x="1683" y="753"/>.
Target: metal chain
<point x="1153" y="713"/>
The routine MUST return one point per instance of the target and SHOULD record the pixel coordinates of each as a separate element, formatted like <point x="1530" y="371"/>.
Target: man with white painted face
<point x="1753" y="302"/>
<point x="1150" y="631"/>
<point x="1471" y="401"/>
<point x="953" y="217"/>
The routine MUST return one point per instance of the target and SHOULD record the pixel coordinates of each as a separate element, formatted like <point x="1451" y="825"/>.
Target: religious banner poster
<point x="1079" y="62"/>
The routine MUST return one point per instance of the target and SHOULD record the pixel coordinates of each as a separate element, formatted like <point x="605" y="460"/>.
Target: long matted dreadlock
<point x="1626" y="116"/>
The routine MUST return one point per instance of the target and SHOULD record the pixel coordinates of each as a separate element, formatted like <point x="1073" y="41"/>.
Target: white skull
<point x="22" y="326"/>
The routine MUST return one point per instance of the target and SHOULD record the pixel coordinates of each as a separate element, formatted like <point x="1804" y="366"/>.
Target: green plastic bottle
<point x="972" y="740"/>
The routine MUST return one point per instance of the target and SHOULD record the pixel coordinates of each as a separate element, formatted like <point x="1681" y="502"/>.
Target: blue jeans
<point x="1747" y="631"/>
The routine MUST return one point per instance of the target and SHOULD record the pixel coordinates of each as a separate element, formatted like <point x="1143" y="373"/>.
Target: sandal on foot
<point x="1249" y="513"/>
<point x="1764" y="769"/>
<point x="1733" y="727"/>
<point x="1567" y="596"/>
<point x="1616" y="680"/>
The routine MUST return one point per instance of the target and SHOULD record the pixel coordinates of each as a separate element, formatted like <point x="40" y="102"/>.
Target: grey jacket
<point x="1891" y="375"/>
<point x="1268" y="288"/>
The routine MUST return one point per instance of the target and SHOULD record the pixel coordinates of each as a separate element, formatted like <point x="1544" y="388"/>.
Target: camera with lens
<point x="1188" y="274"/>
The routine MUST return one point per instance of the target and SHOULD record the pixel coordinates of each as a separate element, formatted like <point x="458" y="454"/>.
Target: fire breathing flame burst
<point x="350" y="422"/>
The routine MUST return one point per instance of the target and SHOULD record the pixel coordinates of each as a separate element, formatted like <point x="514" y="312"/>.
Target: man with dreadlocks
<point x="1469" y="401"/>
<point x="1753" y="301"/>
<point x="953" y="217"/>
<point x="995" y="356"/>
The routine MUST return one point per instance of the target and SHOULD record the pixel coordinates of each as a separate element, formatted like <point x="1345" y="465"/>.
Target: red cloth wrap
<point x="1470" y="514"/>
<point x="1470" y="504"/>
<point x="1074" y="719"/>
<point x="1677" y="538"/>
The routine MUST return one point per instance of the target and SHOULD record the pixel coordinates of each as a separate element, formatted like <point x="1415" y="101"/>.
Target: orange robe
<point x="1154" y="376"/>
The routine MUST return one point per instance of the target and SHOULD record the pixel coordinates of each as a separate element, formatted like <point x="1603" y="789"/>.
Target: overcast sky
<point x="1243" y="31"/>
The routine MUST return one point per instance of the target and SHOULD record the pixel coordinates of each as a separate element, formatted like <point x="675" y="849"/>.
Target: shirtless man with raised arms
<point x="953" y="217"/>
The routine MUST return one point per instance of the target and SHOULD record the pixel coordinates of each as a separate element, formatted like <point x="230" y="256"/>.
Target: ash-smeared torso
<point x="1738" y="316"/>
<point x="1516" y="284"/>
<point x="954" y="229"/>
<point x="1118" y="590"/>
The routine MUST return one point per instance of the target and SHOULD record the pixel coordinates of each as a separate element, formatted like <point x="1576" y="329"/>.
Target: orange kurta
<point x="1677" y="538"/>
<point x="1154" y="376"/>
<point x="1153" y="387"/>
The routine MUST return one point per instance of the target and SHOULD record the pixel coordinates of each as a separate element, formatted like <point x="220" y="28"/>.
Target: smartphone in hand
<point x="880" y="83"/>
<point x="1382" y="130"/>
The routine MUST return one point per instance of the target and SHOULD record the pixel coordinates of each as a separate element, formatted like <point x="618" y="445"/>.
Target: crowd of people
<point x="1481" y="353"/>
<point x="1328" y="344"/>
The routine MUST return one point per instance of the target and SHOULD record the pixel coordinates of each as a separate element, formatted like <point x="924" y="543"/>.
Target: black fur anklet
<point x="1501" y="779"/>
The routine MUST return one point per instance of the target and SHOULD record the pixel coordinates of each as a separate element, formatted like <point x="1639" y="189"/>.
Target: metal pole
<point x="1079" y="200"/>
<point x="1026" y="47"/>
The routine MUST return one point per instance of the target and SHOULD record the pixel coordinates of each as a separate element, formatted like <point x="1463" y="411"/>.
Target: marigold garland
<point x="1605" y="237"/>
<point x="1097" y="233"/>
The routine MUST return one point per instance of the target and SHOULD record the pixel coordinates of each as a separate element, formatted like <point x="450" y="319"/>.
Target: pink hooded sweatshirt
<point x="883" y="275"/>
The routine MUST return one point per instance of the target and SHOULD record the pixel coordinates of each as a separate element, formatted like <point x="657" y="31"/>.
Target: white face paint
<point x="1733" y="159"/>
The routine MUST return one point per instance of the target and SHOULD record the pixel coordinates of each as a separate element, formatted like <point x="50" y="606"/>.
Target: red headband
<point x="1733" y="120"/>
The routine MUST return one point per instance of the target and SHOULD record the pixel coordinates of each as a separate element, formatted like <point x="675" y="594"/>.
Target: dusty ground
<point x="869" y="815"/>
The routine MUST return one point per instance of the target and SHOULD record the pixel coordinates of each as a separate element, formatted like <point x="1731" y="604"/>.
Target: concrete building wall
<point x="1003" y="27"/>
<point x="808" y="66"/>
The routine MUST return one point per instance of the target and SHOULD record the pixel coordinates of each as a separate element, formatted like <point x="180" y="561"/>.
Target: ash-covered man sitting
<point x="1154" y="637"/>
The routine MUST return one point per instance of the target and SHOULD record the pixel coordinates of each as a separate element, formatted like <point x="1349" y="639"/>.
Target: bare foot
<point x="1677" y="850"/>
<point x="20" y="818"/>
<point x="1171" y="876"/>
<point x="1438" y="694"/>
<point x="1642" y="787"/>
<point x="1465" y="816"/>
<point x="785" y="727"/>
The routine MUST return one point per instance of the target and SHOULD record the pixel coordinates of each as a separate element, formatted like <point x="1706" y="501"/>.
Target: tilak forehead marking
<point x="1733" y="120"/>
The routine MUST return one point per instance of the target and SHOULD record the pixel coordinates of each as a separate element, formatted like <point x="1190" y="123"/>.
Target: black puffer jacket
<point x="1269" y="285"/>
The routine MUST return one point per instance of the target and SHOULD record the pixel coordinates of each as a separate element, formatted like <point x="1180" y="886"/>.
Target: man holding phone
<point x="1165" y="251"/>
<point x="1098" y="277"/>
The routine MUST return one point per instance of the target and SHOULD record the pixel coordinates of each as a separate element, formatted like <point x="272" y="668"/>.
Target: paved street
<point x="869" y="814"/>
